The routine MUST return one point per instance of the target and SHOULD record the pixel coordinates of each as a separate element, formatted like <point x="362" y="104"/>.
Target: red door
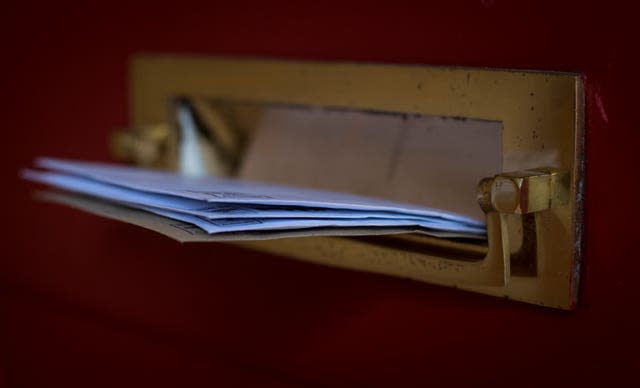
<point x="90" y="302"/>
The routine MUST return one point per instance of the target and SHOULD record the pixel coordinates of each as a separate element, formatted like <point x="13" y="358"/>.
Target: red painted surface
<point x="90" y="302"/>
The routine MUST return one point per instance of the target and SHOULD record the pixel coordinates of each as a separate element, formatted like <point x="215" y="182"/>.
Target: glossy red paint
<point x="90" y="302"/>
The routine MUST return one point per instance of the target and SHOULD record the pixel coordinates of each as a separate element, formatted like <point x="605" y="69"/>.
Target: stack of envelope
<point x="228" y="207"/>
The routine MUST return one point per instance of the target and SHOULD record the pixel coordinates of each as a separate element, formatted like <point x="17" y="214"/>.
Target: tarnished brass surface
<point x="540" y="212"/>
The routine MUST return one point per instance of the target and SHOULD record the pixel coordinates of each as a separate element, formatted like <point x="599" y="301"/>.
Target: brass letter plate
<point x="533" y="206"/>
